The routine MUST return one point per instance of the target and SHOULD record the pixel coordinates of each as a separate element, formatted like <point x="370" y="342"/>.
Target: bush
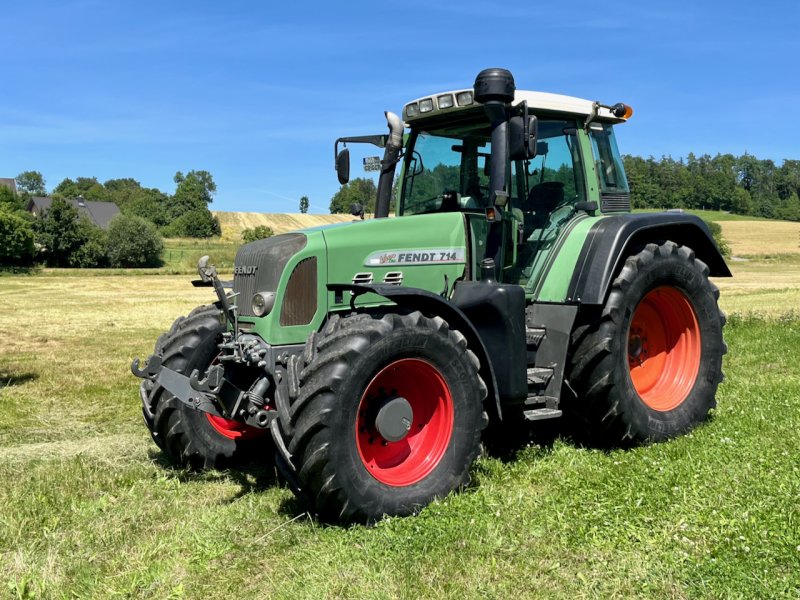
<point x="716" y="232"/>
<point x="58" y="233"/>
<point x="92" y="251"/>
<point x="9" y="200"/>
<point x="16" y="238"/>
<point x="195" y="224"/>
<point x="133" y="242"/>
<point x="257" y="233"/>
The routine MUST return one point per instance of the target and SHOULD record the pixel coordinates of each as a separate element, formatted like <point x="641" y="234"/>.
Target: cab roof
<point x="461" y="100"/>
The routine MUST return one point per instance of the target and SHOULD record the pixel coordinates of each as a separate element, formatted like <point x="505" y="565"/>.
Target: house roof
<point x="9" y="183"/>
<point x="100" y="213"/>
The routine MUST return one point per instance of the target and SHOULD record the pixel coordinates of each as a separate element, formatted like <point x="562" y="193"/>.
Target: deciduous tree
<point x="358" y="191"/>
<point x="31" y="183"/>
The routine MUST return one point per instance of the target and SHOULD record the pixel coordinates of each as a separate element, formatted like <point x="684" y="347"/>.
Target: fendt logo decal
<point x="428" y="256"/>
<point x="245" y="270"/>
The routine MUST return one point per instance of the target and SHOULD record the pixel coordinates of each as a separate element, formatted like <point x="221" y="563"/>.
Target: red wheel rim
<point x="664" y="348"/>
<point x="413" y="458"/>
<point x="232" y="429"/>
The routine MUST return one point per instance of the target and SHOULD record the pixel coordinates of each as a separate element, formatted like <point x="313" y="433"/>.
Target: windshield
<point x="440" y="163"/>
<point x="447" y="171"/>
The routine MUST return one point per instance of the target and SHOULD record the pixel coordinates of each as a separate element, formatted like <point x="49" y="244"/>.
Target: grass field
<point x="720" y="216"/>
<point x="89" y="509"/>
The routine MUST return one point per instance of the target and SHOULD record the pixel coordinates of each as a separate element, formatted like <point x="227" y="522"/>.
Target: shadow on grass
<point x="250" y="478"/>
<point x="14" y="379"/>
<point x="504" y="441"/>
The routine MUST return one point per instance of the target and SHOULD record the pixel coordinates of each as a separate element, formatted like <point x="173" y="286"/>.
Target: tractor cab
<point x="568" y="170"/>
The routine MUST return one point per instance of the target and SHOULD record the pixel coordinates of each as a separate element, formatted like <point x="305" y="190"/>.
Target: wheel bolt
<point x="384" y="443"/>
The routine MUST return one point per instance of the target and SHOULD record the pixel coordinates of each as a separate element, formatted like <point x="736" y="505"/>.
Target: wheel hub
<point x="637" y="350"/>
<point x="405" y="422"/>
<point x="394" y="418"/>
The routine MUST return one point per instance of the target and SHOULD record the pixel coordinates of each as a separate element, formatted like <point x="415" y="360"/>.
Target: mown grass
<point x="89" y="509"/>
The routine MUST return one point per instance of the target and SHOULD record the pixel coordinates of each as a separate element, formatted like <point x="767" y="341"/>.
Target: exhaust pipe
<point x="390" y="156"/>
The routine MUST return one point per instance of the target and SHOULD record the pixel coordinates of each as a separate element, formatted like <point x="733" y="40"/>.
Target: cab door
<point x="544" y="192"/>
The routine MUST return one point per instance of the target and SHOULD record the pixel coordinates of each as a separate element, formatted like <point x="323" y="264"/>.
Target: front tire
<point x="190" y="437"/>
<point x="337" y="427"/>
<point x="647" y="369"/>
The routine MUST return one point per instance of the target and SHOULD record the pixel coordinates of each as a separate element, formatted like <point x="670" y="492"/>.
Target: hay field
<point x="762" y="287"/>
<point x="232" y="223"/>
<point x="762" y="238"/>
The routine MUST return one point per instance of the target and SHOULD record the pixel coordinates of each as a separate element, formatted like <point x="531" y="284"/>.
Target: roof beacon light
<point x="622" y="111"/>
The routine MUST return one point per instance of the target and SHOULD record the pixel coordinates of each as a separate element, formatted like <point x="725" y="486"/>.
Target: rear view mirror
<point x="343" y="166"/>
<point x="357" y="209"/>
<point x="522" y="135"/>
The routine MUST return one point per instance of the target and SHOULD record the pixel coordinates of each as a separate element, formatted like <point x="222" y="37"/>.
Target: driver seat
<point x="542" y="200"/>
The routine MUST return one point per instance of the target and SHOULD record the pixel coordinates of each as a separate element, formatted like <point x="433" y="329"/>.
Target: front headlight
<point x="262" y="303"/>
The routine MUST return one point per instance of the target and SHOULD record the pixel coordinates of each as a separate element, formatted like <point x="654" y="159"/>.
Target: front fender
<point x="432" y="304"/>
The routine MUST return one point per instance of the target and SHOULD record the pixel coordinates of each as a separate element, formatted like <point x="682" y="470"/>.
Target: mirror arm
<point x="376" y="140"/>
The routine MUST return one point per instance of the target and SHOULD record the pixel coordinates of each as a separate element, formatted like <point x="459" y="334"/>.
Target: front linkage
<point x="259" y="364"/>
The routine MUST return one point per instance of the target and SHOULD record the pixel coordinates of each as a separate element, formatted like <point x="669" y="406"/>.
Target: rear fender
<point x="610" y="241"/>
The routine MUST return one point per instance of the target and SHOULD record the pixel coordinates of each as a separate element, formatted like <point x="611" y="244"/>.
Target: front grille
<point x="258" y="266"/>
<point x="300" y="300"/>
<point x="615" y="202"/>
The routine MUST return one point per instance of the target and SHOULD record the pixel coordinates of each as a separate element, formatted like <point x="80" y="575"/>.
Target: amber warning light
<point x="622" y="111"/>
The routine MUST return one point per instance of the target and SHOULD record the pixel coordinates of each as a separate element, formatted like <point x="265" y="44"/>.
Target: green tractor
<point x="513" y="285"/>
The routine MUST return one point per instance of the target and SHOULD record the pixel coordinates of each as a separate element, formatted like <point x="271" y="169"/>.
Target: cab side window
<point x="610" y="171"/>
<point x="554" y="177"/>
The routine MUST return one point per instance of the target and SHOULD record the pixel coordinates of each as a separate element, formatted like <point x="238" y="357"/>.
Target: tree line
<point x="62" y="237"/>
<point x="743" y="185"/>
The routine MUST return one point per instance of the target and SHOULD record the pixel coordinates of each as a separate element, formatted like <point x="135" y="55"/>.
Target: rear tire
<point x="647" y="369"/>
<point x="345" y="468"/>
<point x="189" y="437"/>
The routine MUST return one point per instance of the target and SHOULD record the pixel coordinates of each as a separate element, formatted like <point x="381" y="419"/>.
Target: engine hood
<point x="416" y="251"/>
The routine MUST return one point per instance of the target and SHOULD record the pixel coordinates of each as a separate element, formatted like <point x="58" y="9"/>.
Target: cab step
<point x="539" y="376"/>
<point x="540" y="414"/>
<point x="534" y="336"/>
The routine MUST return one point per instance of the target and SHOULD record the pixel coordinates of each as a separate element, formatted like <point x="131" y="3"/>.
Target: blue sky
<point x="256" y="92"/>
